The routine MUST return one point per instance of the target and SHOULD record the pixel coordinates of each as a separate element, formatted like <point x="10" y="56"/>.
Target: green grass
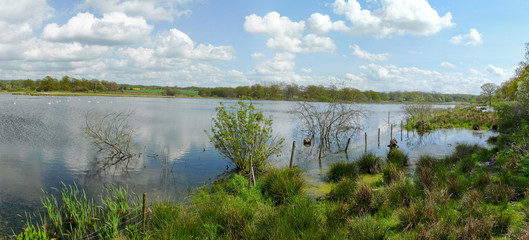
<point x="369" y="163"/>
<point x="340" y="170"/>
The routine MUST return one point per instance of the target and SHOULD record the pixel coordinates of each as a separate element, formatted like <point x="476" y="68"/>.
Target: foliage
<point x="488" y="90"/>
<point x="241" y="131"/>
<point x="340" y="170"/>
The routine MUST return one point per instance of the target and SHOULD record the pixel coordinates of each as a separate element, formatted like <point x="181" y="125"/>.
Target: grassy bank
<point x="474" y="193"/>
<point x="424" y="119"/>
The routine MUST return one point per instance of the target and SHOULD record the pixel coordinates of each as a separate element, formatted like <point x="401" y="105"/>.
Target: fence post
<point x="347" y="145"/>
<point x="365" y="137"/>
<point x="292" y="154"/>
<point x="144" y="211"/>
<point x="319" y="155"/>
<point x="378" y="137"/>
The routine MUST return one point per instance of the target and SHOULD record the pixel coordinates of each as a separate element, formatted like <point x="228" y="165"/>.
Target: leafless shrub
<point x="112" y="135"/>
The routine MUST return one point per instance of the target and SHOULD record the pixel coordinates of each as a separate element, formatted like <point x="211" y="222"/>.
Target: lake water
<point x="42" y="145"/>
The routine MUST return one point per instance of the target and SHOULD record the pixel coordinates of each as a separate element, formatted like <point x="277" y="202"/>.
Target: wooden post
<point x="319" y="155"/>
<point x="365" y="145"/>
<point x="378" y="137"/>
<point x="292" y="154"/>
<point x="144" y="212"/>
<point x="347" y="145"/>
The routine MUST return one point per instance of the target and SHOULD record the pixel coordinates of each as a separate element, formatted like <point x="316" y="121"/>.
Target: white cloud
<point x="257" y="55"/>
<point x="472" y="38"/>
<point x="415" y="17"/>
<point x="321" y="24"/>
<point x="306" y="70"/>
<point x="32" y="12"/>
<point x="287" y="35"/>
<point x="369" y="56"/>
<point x="113" y="29"/>
<point x="149" y="9"/>
<point x="495" y="70"/>
<point x="176" y="44"/>
<point x="447" y="65"/>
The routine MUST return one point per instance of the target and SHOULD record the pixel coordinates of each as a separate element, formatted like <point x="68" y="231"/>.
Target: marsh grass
<point x="282" y="184"/>
<point x="369" y="163"/>
<point x="397" y="157"/>
<point x="74" y="215"/>
<point x="340" y="170"/>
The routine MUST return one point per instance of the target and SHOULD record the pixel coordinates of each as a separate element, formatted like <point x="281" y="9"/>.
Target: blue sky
<point x="384" y="45"/>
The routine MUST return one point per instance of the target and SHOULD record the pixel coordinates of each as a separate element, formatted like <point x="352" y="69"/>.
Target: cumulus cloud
<point x="287" y="35"/>
<point x="32" y="12"/>
<point x="176" y="44"/>
<point x="113" y="29"/>
<point x="321" y="24"/>
<point x="369" y="56"/>
<point x="495" y="70"/>
<point x="472" y="38"/>
<point x="447" y="65"/>
<point x="306" y="70"/>
<point x="149" y="9"/>
<point x="415" y="17"/>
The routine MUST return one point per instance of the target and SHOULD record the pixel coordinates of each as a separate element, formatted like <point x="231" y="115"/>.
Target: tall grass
<point x="369" y="163"/>
<point x="397" y="157"/>
<point x="340" y="170"/>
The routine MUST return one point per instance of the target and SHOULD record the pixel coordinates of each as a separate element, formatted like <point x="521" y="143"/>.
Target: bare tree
<point x="331" y="123"/>
<point x="488" y="90"/>
<point x="112" y="135"/>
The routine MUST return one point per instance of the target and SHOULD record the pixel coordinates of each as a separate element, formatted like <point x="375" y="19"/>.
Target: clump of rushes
<point x="369" y="163"/>
<point x="368" y="228"/>
<point x="280" y="185"/>
<point x="398" y="158"/>
<point x="424" y="172"/>
<point x="344" y="190"/>
<point x="341" y="170"/>
<point x="364" y="200"/>
<point x="461" y="152"/>
<point x="391" y="173"/>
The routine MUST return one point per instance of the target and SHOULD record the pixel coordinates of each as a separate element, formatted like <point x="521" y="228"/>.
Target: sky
<point x="446" y="46"/>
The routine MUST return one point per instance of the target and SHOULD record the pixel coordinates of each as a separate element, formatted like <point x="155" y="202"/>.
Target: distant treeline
<point x="280" y="91"/>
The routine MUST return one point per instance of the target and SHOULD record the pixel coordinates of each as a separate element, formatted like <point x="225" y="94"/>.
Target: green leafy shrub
<point x="369" y="163"/>
<point x="282" y="184"/>
<point x="340" y="170"/>
<point x="241" y="131"/>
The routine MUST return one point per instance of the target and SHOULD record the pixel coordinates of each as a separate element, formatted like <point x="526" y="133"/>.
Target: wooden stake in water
<point x="144" y="211"/>
<point x="347" y="145"/>
<point x="319" y="155"/>
<point x="378" y="137"/>
<point x="292" y="154"/>
<point x="365" y="145"/>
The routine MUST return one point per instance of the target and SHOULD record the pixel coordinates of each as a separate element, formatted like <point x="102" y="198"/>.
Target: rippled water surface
<point x="42" y="145"/>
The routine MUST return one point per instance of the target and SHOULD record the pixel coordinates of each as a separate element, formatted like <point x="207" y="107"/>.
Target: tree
<point x="330" y="122"/>
<point x="112" y="136"/>
<point x="488" y="90"/>
<point x="239" y="131"/>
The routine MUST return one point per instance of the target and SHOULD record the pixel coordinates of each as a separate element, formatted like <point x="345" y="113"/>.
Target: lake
<point x="42" y="146"/>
